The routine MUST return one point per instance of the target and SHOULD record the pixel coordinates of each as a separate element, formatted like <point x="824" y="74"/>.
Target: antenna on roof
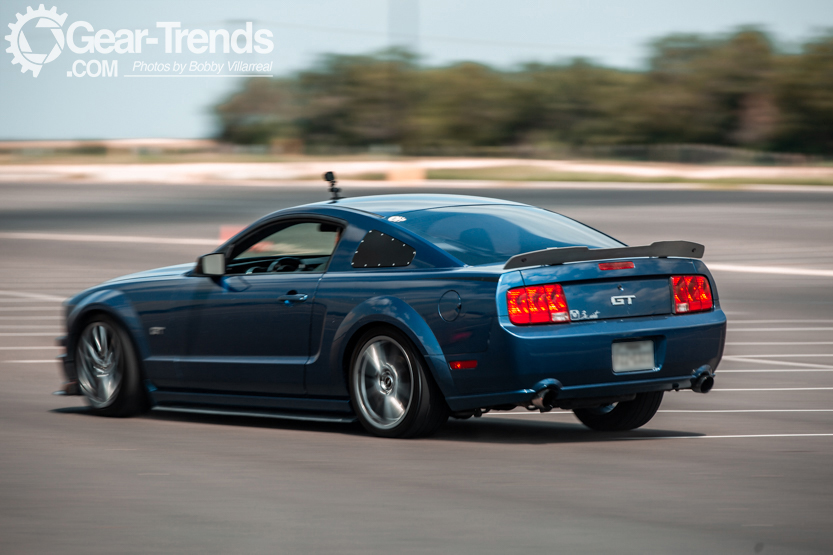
<point x="330" y="177"/>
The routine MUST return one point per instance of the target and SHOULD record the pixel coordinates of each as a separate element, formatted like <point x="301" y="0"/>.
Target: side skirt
<point x="289" y="408"/>
<point x="307" y="417"/>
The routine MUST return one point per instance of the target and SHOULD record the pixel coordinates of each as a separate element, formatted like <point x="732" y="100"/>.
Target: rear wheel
<point x="108" y="371"/>
<point x="392" y="392"/>
<point x="627" y="415"/>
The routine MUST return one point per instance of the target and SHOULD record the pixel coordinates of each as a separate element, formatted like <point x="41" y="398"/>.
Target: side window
<point x="378" y="250"/>
<point x="286" y="248"/>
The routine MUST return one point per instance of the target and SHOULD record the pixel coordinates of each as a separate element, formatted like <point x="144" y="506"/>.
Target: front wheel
<point x="627" y="415"/>
<point x="392" y="392"/>
<point x="108" y="371"/>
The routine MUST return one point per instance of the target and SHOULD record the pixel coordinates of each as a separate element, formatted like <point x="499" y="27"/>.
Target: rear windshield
<point x="492" y="233"/>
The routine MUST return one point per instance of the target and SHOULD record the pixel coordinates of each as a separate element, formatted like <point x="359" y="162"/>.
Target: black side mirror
<point x="213" y="264"/>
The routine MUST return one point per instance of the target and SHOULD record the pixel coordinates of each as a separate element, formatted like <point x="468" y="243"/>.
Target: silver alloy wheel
<point x="384" y="381"/>
<point x="99" y="363"/>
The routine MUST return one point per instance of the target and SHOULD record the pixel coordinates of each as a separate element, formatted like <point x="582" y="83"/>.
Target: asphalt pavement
<point x="744" y="469"/>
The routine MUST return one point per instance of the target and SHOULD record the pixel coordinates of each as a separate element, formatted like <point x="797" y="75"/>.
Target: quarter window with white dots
<point x="380" y="250"/>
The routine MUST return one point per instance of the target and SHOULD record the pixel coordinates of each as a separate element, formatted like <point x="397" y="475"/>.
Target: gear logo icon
<point x="20" y="49"/>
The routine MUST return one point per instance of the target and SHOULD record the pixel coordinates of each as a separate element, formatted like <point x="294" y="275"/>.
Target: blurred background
<point x="709" y="121"/>
<point x="736" y="89"/>
<point x="747" y="82"/>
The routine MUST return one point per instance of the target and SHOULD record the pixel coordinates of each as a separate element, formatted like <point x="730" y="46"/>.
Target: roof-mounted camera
<point x="330" y="178"/>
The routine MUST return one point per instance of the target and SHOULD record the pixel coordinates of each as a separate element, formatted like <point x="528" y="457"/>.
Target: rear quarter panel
<point x="347" y="302"/>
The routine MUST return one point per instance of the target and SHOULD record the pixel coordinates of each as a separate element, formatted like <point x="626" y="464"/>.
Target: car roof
<point x="390" y="205"/>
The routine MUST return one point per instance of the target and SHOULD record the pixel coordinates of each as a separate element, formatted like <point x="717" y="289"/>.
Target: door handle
<point x="289" y="299"/>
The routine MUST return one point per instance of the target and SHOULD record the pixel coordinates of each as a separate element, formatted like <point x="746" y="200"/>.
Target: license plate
<point x="633" y="356"/>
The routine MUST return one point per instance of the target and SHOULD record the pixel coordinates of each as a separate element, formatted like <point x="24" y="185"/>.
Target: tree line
<point x="732" y="90"/>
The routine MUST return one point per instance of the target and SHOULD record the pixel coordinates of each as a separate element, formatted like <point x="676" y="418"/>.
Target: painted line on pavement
<point x="30" y="348"/>
<point x="775" y="362"/>
<point x="89" y="238"/>
<point x="772" y="389"/>
<point x="38" y="296"/>
<point x="563" y="412"/>
<point x="781" y="321"/>
<point x="726" y="437"/>
<point x="25" y="308"/>
<point x="777" y="270"/>
<point x="7" y="300"/>
<point x="29" y="334"/>
<point x="776" y="370"/>
<point x="778" y="329"/>
<point x="784" y="355"/>
<point x="19" y="318"/>
<point x="775" y="342"/>
<point x="29" y="326"/>
<point x="85" y="238"/>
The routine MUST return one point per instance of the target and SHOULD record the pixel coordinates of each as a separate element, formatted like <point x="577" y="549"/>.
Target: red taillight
<point x="616" y="265"/>
<point x="540" y="304"/>
<point x="691" y="294"/>
<point x="462" y="364"/>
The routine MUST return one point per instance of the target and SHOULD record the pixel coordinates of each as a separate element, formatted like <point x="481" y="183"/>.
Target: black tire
<point x="401" y="370"/>
<point x="128" y="397"/>
<point x="627" y="415"/>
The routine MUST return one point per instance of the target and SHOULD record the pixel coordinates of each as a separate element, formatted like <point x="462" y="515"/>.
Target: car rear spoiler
<point x="551" y="257"/>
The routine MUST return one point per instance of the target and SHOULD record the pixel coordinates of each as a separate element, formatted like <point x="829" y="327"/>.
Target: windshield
<point x="492" y="233"/>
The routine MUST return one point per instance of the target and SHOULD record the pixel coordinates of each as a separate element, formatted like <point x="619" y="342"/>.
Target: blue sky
<point x="497" y="32"/>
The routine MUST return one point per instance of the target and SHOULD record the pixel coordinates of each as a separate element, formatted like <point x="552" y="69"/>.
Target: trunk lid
<point x="595" y="294"/>
<point x="618" y="298"/>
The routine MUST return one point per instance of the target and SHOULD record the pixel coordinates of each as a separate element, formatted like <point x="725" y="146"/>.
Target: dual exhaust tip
<point x="547" y="390"/>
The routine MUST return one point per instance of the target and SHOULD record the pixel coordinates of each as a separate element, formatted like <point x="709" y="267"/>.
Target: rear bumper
<point x="603" y="390"/>
<point x="577" y="356"/>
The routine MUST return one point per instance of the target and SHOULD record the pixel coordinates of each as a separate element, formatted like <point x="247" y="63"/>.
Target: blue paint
<point x="228" y="341"/>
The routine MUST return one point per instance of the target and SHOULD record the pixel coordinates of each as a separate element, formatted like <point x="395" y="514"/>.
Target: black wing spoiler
<point x="551" y="257"/>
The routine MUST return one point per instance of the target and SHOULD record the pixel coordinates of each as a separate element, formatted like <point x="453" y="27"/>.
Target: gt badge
<point x="158" y="330"/>
<point x="620" y="299"/>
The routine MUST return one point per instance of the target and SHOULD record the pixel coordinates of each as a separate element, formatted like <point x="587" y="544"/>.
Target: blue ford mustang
<point x="400" y="311"/>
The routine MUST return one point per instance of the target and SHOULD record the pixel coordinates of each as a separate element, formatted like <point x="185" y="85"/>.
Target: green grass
<point x="533" y="173"/>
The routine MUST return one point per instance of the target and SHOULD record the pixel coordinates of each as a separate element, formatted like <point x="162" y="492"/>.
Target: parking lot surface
<point x="744" y="469"/>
